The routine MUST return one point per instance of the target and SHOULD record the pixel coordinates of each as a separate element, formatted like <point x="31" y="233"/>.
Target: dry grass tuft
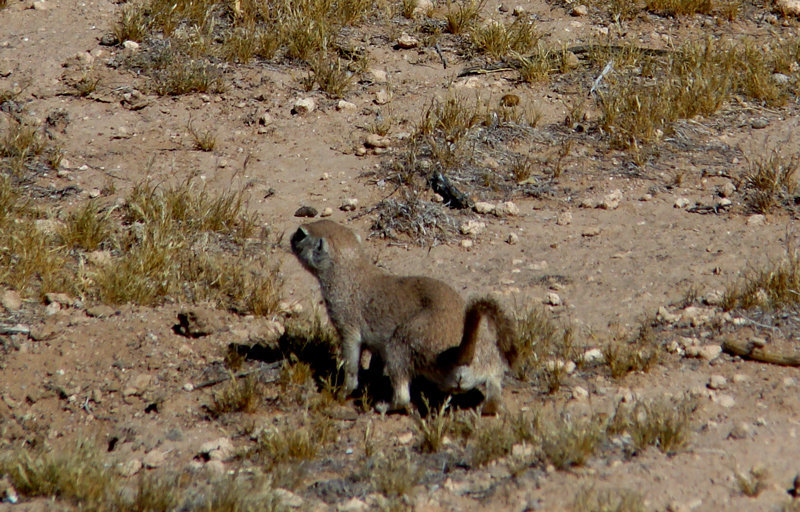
<point x="499" y="40"/>
<point x="770" y="181"/>
<point x="237" y="395"/>
<point x="679" y="7"/>
<point x="774" y="286"/>
<point x="395" y="474"/>
<point x="462" y="15"/>
<point x="88" y="228"/>
<point x="608" y="500"/>
<point x="697" y="79"/>
<point x="568" y="442"/>
<point x="205" y="140"/>
<point x="433" y="429"/>
<point x="664" y="423"/>
<point x="75" y="474"/>
<point x="753" y="482"/>
<point x="287" y="442"/>
<point x="624" y="356"/>
<point x="543" y="348"/>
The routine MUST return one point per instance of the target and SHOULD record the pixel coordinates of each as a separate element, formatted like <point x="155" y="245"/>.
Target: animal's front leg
<point x="351" y="354"/>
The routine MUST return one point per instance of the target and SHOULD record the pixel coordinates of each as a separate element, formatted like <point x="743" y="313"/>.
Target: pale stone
<point x="681" y="202"/>
<point x="564" y="218"/>
<point x="579" y="10"/>
<point x="612" y="200"/>
<point x="304" y="106"/>
<point x="345" y="105"/>
<point x="506" y="208"/>
<point x="405" y="438"/>
<point x="472" y="227"/>
<point x="512" y="239"/>
<point x="552" y="299"/>
<point x="11" y="300"/>
<point x="483" y="207"/>
<point x="131" y="45"/>
<point x="717" y="382"/>
<point x="348" y="205"/>
<point x="406" y="41"/>
<point x="154" y="459"/>
<point x="467" y="243"/>
<point x="382" y="97"/>
<point x="129" y="468"/>
<point x="757" y="220"/>
<point x="594" y="355"/>
<point x="326" y="212"/>
<point x="373" y="140"/>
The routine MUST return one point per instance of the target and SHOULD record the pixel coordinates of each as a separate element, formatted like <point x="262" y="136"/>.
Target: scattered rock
<point x="726" y="401"/>
<point x="304" y="106"/>
<point x="265" y="119"/>
<point x="352" y="505"/>
<point x="11" y="300"/>
<point x="422" y="7"/>
<point x="345" y="105"/>
<point x="215" y="467"/>
<point x="376" y="76"/>
<point x="39" y="6"/>
<point x="758" y="341"/>
<point x="382" y="97"/>
<point x="571" y="60"/>
<point x="58" y="298"/>
<point x="611" y="201"/>
<point x="681" y="202"/>
<point x="326" y="212"/>
<point x="154" y="458"/>
<point x="505" y="209"/>
<point x="727" y="189"/>
<point x="512" y="239"/>
<point x="717" y="382"/>
<point x="405" y="438"/>
<point x="664" y="315"/>
<point x="130" y="45"/>
<point x="518" y="11"/>
<point x="760" y="123"/>
<point x="101" y="311"/>
<point x="591" y="231"/>
<point x="522" y="451"/>
<point x="579" y="10"/>
<point x="306" y="211"/>
<point x="579" y="393"/>
<point x="472" y="227"/>
<point x="407" y="42"/>
<point x="594" y="355"/>
<point x="757" y="220"/>
<point x="218" y="449"/>
<point x="483" y="207"/>
<point x="374" y="140"/>
<point x="129" y="468"/>
<point x="348" y="205"/>
<point x="564" y="218"/>
<point x="52" y="309"/>
<point x="552" y="299"/>
<point x="467" y="243"/>
<point x="288" y="498"/>
<point x="741" y="430"/>
<point x="360" y="151"/>
<point x="137" y="384"/>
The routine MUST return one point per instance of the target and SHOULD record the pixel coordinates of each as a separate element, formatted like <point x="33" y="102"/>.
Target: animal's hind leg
<point x="493" y="401"/>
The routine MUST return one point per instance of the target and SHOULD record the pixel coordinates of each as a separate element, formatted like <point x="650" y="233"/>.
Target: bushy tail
<point x="503" y="325"/>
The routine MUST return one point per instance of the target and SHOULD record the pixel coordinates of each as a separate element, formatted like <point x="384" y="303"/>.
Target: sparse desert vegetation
<point x="621" y="176"/>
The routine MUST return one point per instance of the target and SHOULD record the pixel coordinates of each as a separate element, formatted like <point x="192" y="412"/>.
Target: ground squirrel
<point x="418" y="325"/>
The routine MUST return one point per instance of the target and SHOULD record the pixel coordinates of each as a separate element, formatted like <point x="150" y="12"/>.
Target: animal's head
<point x="459" y="379"/>
<point x="318" y="244"/>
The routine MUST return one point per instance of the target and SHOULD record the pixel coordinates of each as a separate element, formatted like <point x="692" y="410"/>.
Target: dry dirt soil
<point x="132" y="385"/>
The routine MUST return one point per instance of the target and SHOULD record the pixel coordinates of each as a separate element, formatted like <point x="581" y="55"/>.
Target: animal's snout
<point x="298" y="237"/>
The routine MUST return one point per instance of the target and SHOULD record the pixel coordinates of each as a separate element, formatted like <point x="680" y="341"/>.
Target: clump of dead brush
<point x="590" y="499"/>
<point x="664" y="422"/>
<point x="770" y="181"/>
<point x="237" y="395"/>
<point x="543" y="348"/>
<point x="753" y="482"/>
<point x="775" y="286"/>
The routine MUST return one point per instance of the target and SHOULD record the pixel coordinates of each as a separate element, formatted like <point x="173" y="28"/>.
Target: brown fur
<point x="419" y="326"/>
